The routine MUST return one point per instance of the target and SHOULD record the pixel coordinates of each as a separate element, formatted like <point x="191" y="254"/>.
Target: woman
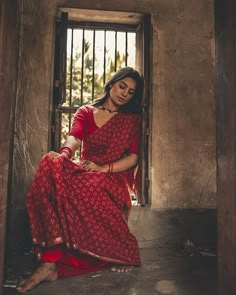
<point x="78" y="212"/>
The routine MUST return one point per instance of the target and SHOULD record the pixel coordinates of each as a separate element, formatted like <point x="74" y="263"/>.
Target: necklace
<point x="108" y="110"/>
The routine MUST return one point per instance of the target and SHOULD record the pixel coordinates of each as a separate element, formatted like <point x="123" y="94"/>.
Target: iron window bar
<point x="66" y="111"/>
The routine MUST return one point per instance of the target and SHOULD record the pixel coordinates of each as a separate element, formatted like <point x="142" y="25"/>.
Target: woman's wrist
<point x="65" y="154"/>
<point x="66" y="151"/>
<point x="104" y="168"/>
<point x="110" y="167"/>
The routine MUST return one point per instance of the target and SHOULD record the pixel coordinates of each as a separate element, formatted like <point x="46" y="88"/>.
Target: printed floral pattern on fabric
<point x="83" y="210"/>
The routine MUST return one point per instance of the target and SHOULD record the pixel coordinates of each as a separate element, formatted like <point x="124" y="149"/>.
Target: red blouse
<point x="83" y="125"/>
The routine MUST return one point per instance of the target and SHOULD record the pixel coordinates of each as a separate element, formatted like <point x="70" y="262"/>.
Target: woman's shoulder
<point x="86" y="108"/>
<point x="84" y="112"/>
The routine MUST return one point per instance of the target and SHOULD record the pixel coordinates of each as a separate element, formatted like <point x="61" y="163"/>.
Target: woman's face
<point x="122" y="91"/>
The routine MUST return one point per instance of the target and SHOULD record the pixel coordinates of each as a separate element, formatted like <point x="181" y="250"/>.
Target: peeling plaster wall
<point x="9" y="36"/>
<point x="182" y="148"/>
<point x="34" y="94"/>
<point x="183" y="171"/>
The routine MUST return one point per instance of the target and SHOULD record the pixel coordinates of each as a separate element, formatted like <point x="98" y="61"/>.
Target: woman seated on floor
<point x="78" y="212"/>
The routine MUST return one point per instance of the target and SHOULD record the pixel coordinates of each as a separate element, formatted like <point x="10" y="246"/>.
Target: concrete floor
<point x="171" y="264"/>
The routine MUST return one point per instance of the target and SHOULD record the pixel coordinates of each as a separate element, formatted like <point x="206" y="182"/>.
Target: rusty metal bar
<point x="104" y="59"/>
<point x="94" y="40"/>
<point x="82" y="71"/>
<point x="126" y="48"/>
<point x="115" y="51"/>
<point x="71" y="64"/>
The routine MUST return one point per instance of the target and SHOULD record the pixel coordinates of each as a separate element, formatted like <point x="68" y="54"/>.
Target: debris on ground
<point x="190" y="249"/>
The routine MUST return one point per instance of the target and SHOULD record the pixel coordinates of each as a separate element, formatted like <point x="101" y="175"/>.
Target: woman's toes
<point x="45" y="272"/>
<point x="113" y="268"/>
<point x="121" y="268"/>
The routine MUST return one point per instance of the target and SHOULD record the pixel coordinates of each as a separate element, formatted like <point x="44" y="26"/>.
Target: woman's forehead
<point x="130" y="82"/>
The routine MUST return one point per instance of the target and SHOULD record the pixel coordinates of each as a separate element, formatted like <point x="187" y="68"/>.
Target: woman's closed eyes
<point x="123" y="86"/>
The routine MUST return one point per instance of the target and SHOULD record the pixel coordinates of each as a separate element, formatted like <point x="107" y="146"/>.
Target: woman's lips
<point x="121" y="99"/>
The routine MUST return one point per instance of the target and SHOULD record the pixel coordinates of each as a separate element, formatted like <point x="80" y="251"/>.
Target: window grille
<point x="93" y="55"/>
<point x="86" y="54"/>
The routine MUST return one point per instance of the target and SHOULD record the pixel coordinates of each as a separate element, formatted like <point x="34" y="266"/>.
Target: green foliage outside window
<point x="83" y="91"/>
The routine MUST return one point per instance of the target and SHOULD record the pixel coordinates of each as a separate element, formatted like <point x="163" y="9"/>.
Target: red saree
<point x="78" y="218"/>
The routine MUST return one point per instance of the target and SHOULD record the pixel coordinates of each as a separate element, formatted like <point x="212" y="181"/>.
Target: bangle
<point x="110" y="167"/>
<point x="67" y="150"/>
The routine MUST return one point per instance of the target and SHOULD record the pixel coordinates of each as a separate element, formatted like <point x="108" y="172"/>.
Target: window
<point x="93" y="55"/>
<point x="89" y="47"/>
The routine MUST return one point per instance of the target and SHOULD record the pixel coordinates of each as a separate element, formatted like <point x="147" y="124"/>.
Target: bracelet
<point x="67" y="150"/>
<point x="110" y="167"/>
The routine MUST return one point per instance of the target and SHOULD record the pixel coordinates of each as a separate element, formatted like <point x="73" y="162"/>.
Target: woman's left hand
<point x="91" y="166"/>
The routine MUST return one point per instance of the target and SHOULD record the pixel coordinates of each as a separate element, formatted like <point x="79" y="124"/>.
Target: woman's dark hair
<point x="134" y="105"/>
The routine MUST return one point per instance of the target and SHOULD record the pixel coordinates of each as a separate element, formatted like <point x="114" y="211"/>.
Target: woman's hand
<point x="54" y="154"/>
<point x="91" y="166"/>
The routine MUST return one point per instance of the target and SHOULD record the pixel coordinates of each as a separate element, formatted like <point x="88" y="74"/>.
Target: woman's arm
<point x="77" y="131"/>
<point x="118" y="166"/>
<point x="71" y="144"/>
<point x="124" y="164"/>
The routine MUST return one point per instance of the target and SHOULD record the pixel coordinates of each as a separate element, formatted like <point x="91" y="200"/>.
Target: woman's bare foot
<point x="45" y="272"/>
<point x="122" y="268"/>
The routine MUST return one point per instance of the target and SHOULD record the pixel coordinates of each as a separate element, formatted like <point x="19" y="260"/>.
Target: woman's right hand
<point x="54" y="154"/>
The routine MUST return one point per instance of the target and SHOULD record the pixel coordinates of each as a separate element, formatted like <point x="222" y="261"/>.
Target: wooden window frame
<point x="143" y="51"/>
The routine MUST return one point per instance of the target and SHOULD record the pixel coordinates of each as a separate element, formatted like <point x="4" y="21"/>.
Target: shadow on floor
<point x="179" y="260"/>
